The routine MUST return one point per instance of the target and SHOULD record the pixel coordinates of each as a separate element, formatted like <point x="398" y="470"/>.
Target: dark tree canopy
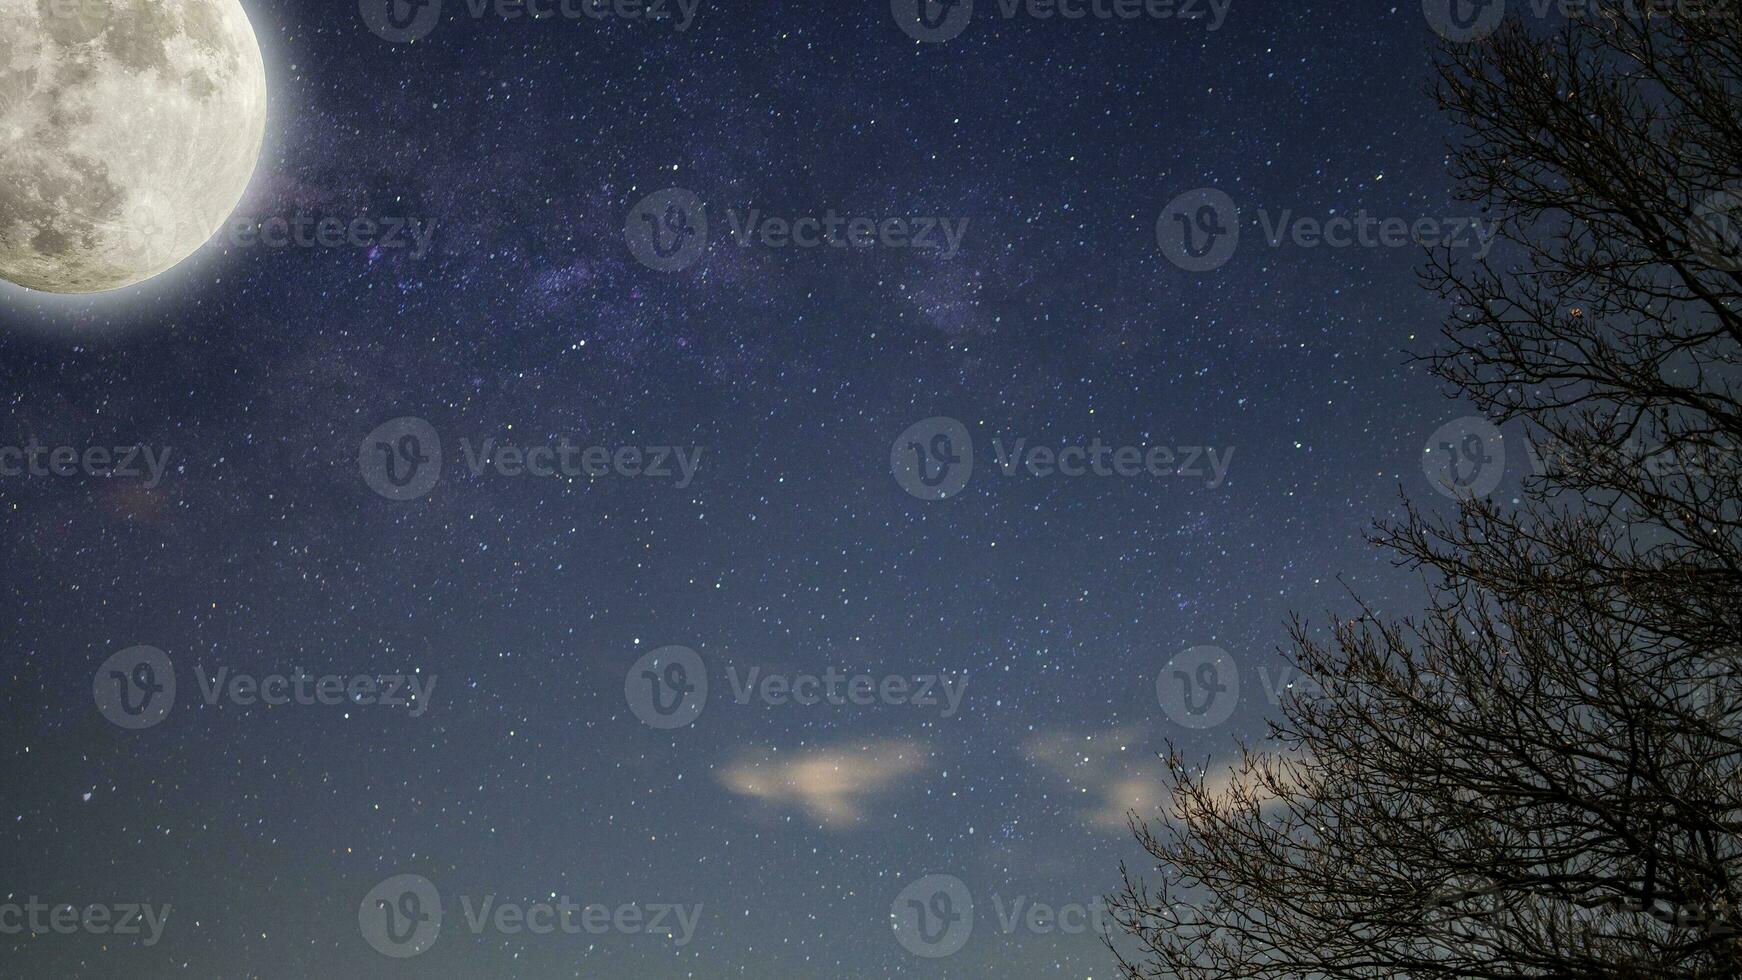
<point x="1540" y="775"/>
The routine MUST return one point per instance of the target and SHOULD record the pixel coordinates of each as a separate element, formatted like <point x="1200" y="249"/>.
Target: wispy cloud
<point x="831" y="784"/>
<point x="1116" y="772"/>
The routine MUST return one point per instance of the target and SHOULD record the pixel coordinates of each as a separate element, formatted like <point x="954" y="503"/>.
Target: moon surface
<point x="129" y="130"/>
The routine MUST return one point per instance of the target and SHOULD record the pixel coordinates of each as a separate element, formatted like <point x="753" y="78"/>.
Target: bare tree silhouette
<point x="1541" y="775"/>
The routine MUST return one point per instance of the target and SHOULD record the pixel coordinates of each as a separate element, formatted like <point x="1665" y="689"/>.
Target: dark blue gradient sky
<point x="793" y="549"/>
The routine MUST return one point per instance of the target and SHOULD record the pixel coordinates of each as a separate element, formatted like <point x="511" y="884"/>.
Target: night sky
<point x="538" y="606"/>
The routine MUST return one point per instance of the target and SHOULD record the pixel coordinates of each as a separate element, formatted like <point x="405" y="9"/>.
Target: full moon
<point x="129" y="130"/>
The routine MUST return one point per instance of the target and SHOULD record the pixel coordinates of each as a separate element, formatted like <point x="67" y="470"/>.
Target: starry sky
<point x="524" y="148"/>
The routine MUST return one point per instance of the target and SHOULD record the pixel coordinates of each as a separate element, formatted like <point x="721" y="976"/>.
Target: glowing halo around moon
<point x="129" y="131"/>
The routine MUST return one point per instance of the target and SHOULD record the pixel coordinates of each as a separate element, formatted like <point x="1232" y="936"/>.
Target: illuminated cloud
<point x="1116" y="772"/>
<point x="831" y="784"/>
